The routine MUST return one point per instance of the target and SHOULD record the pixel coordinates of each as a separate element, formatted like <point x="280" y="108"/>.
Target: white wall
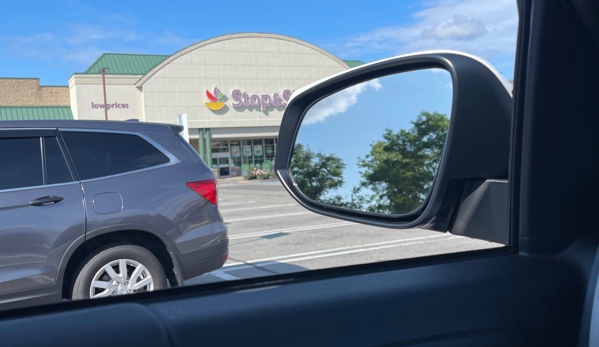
<point x="264" y="64"/>
<point x="86" y="91"/>
<point x="253" y="63"/>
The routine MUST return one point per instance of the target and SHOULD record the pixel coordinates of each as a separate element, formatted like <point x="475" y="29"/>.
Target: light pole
<point x="103" y="71"/>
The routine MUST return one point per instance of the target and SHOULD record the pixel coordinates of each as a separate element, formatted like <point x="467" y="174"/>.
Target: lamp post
<point x="103" y="71"/>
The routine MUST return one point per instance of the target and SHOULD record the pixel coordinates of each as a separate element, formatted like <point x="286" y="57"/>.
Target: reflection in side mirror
<point x="375" y="146"/>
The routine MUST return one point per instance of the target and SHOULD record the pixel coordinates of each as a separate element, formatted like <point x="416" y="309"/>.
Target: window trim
<point x="65" y="156"/>
<point x="37" y="187"/>
<point x="42" y="140"/>
<point x="8" y="133"/>
<point x="172" y="159"/>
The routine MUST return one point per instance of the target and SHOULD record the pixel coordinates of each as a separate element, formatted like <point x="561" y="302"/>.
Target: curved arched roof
<point x="198" y="45"/>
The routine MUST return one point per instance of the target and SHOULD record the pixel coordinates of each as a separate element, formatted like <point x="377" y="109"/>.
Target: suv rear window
<point x="99" y="154"/>
<point x="189" y="147"/>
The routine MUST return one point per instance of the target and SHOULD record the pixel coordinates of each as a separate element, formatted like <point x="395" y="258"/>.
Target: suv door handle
<point x="46" y="200"/>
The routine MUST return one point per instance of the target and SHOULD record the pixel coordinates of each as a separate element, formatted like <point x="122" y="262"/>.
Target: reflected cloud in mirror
<point x="375" y="146"/>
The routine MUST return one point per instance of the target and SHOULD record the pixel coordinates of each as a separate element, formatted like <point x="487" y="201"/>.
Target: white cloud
<point x="338" y="102"/>
<point x="49" y="47"/>
<point x="459" y="27"/>
<point x="484" y="28"/>
<point x="85" y="55"/>
<point x="82" y="34"/>
<point x="42" y="46"/>
<point x="170" y="39"/>
<point x="80" y="44"/>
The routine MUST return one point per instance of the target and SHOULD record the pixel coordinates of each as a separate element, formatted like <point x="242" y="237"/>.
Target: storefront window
<point x="221" y="146"/>
<point x="269" y="150"/>
<point x="236" y="152"/>
<point x="244" y="154"/>
<point x="258" y="152"/>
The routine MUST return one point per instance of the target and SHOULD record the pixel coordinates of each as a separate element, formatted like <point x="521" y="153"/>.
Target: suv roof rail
<point x="176" y="129"/>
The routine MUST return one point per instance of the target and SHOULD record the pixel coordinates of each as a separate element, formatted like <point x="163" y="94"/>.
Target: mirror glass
<point x="375" y="146"/>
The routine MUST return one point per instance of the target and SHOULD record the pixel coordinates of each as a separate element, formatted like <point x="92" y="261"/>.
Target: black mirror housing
<point x="476" y="148"/>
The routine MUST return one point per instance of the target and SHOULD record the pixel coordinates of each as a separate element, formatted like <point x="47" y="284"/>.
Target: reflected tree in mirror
<point x="375" y="146"/>
<point x="401" y="167"/>
<point x="316" y="173"/>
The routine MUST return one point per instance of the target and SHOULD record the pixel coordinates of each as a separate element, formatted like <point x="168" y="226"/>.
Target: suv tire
<point x="103" y="269"/>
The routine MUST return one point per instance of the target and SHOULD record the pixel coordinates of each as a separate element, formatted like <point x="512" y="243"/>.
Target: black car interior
<point x="539" y="291"/>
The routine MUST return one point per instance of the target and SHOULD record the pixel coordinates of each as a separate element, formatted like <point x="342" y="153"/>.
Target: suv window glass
<point x="97" y="154"/>
<point x="57" y="170"/>
<point x="21" y="160"/>
<point x="190" y="147"/>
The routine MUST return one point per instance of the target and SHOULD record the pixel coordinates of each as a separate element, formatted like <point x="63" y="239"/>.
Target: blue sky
<point x="53" y="39"/>
<point x="359" y="116"/>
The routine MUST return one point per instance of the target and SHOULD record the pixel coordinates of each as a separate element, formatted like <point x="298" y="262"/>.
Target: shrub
<point x="258" y="173"/>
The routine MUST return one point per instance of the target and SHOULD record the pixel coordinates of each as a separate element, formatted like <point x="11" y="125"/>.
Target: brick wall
<point x="28" y="92"/>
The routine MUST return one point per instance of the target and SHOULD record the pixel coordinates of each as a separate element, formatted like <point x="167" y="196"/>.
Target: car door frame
<point x="535" y="292"/>
<point x="49" y="292"/>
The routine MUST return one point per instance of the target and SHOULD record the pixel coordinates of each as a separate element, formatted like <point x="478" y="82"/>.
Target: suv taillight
<point x="206" y="189"/>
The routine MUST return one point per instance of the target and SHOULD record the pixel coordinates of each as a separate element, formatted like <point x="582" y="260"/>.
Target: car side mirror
<point x="420" y="140"/>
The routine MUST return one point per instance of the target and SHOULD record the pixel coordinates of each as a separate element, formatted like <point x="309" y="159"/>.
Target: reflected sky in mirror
<point x="348" y="123"/>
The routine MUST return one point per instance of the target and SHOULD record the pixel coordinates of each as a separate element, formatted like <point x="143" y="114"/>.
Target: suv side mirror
<point x="453" y="173"/>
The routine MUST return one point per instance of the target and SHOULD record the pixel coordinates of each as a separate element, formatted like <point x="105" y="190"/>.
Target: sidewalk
<point x="230" y="179"/>
<point x="241" y="180"/>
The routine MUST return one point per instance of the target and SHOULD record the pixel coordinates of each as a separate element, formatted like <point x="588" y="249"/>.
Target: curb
<point x="243" y="181"/>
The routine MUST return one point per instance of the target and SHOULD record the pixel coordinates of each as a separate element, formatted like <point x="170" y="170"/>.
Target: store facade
<point x="232" y="88"/>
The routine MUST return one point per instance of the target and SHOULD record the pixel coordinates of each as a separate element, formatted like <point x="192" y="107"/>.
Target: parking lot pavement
<point x="271" y="234"/>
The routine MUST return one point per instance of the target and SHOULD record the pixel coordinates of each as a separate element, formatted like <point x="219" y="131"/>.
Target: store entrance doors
<point x="223" y="162"/>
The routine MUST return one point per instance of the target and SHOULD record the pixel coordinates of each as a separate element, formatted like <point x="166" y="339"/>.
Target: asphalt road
<point x="271" y="234"/>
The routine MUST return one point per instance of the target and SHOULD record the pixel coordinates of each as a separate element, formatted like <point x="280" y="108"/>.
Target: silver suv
<point x="92" y="209"/>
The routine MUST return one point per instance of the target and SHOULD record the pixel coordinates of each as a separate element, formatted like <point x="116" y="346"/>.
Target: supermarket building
<point x="232" y="88"/>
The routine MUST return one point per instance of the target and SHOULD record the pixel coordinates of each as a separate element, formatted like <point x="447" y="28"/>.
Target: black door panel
<point x="500" y="299"/>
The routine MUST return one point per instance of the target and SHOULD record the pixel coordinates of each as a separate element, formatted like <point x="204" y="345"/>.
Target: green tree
<point x="356" y="201"/>
<point x="400" y="168"/>
<point x="316" y="173"/>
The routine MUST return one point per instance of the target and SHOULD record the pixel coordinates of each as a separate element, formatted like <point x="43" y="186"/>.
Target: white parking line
<point x="363" y="250"/>
<point x="291" y="230"/>
<point x="258" y="208"/>
<point x="235" y="220"/>
<point x="223" y="276"/>
<point x="236" y="203"/>
<point x="339" y="251"/>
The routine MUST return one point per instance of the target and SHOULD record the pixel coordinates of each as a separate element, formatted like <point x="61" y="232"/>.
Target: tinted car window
<point x="97" y="154"/>
<point x="190" y="147"/>
<point x="21" y="163"/>
<point x="57" y="170"/>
